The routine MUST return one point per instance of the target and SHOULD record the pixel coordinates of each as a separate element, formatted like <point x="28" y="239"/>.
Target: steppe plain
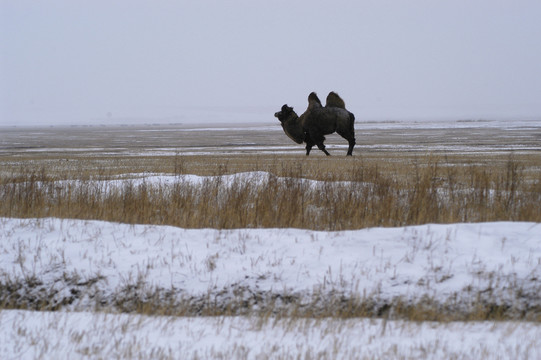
<point x="252" y="147"/>
<point x="466" y="288"/>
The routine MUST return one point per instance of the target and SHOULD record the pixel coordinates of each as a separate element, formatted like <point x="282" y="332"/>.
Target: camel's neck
<point x="294" y="129"/>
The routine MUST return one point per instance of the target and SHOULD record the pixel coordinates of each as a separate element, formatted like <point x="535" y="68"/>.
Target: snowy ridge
<point x="79" y="264"/>
<point x="169" y="182"/>
<point x="157" y="179"/>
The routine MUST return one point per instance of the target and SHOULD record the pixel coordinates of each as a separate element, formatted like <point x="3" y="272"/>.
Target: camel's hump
<point x="313" y="100"/>
<point x="334" y="100"/>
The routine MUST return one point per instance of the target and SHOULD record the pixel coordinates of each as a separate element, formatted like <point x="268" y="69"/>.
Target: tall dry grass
<point x="358" y="195"/>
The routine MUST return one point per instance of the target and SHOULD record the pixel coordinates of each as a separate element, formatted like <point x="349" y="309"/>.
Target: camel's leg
<point x="309" y="143"/>
<point x="318" y="139"/>
<point x="321" y="147"/>
<point x="351" y="140"/>
<point x="350" y="148"/>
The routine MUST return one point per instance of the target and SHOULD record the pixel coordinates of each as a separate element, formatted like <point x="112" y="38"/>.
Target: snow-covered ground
<point x="88" y="263"/>
<point x="61" y="335"/>
<point x="80" y="265"/>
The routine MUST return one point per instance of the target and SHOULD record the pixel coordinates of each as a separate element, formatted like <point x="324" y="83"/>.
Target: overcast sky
<point x="167" y="61"/>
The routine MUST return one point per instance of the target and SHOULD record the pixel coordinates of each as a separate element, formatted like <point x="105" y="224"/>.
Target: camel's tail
<point x="352" y="123"/>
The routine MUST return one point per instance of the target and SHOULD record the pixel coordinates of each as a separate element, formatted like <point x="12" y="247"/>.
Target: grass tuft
<point x="358" y="196"/>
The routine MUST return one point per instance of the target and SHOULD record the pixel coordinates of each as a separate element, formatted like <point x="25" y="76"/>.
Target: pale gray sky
<point x="167" y="61"/>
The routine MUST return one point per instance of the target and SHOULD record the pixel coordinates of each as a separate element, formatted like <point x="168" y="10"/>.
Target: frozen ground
<point x="463" y="136"/>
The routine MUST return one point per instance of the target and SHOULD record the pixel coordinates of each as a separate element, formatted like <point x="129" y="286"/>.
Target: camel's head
<point x="285" y="113"/>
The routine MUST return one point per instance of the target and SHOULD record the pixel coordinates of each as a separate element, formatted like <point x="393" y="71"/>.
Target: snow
<point x="61" y="335"/>
<point x="166" y="181"/>
<point x="439" y="261"/>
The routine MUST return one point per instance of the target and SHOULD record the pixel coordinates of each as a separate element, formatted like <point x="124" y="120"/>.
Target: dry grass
<point x="142" y="299"/>
<point x="353" y="193"/>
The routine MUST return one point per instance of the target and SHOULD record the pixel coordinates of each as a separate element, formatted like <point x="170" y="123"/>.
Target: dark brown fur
<point x="334" y="100"/>
<point x="318" y="121"/>
<point x="313" y="101"/>
<point x="291" y="124"/>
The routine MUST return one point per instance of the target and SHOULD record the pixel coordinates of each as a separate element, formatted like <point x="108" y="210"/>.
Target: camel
<point x="318" y="121"/>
